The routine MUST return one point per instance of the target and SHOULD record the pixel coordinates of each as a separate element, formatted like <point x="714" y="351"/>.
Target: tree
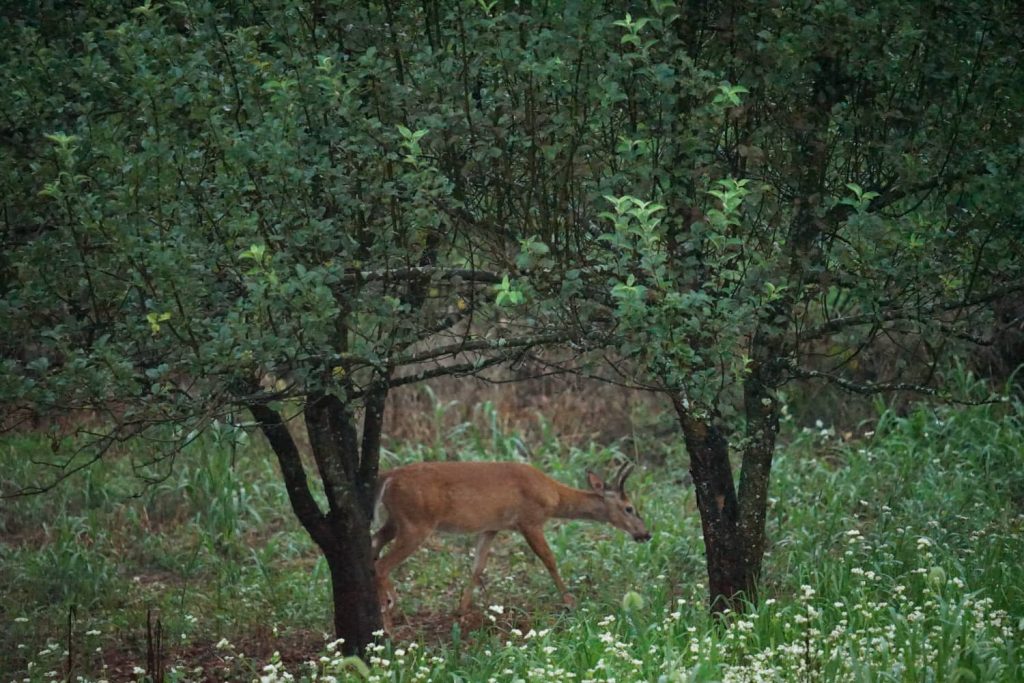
<point x="218" y="209"/>
<point x="856" y="187"/>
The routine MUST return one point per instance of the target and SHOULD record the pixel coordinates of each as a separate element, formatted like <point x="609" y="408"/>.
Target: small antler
<point x="622" y="475"/>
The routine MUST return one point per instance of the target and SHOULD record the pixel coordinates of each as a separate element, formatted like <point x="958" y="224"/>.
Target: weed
<point x="893" y="557"/>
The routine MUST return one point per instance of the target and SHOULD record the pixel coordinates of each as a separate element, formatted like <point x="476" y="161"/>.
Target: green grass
<point x="892" y="558"/>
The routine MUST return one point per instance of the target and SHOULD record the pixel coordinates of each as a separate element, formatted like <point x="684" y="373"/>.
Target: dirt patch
<point x="217" y="661"/>
<point x="245" y="656"/>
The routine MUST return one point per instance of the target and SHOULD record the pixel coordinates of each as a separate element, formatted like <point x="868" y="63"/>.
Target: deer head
<point x="619" y="509"/>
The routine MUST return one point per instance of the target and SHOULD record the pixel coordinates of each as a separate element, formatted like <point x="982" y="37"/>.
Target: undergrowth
<point x="894" y="556"/>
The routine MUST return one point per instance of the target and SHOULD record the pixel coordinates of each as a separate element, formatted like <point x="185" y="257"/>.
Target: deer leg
<point x="483" y="549"/>
<point x="384" y="535"/>
<point x="538" y="544"/>
<point x="407" y="540"/>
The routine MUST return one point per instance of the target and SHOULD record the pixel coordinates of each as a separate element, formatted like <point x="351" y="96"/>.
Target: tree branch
<point x="294" y="474"/>
<point x="894" y="314"/>
<point x="334" y="441"/>
<point x="418" y="272"/>
<point x="872" y="388"/>
<point x="892" y="194"/>
<point x="477" y="345"/>
<point x="373" y="425"/>
<point x="455" y="370"/>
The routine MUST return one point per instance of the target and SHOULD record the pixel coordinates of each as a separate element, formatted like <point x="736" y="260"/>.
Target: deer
<point x="485" y="498"/>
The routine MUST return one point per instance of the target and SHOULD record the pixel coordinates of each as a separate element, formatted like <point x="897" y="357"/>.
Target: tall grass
<point x="895" y="557"/>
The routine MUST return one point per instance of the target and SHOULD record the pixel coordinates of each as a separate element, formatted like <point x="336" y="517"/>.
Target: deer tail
<point x="379" y="508"/>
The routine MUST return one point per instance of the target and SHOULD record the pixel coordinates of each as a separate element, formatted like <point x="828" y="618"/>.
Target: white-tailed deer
<point x="484" y="498"/>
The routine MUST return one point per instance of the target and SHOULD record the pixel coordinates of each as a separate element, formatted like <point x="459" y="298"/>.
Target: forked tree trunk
<point x="348" y="472"/>
<point x="728" y="576"/>
<point x="762" y="424"/>
<point x="733" y="525"/>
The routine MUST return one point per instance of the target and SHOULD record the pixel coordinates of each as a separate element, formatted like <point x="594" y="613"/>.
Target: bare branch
<point x="456" y="369"/>
<point x="894" y="314"/>
<point x="305" y="506"/>
<point x="417" y="272"/>
<point x="496" y="344"/>
<point x="872" y="388"/>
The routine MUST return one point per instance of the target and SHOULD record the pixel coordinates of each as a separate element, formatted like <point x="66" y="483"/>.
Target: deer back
<point x="468" y="497"/>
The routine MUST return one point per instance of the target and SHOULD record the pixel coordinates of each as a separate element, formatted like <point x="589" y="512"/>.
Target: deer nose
<point x="642" y="538"/>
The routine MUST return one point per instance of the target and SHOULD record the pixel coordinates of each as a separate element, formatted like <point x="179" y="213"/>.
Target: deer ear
<point x="595" y="482"/>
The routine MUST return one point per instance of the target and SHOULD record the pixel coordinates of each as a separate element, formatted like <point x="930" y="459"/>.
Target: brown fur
<point x="484" y="498"/>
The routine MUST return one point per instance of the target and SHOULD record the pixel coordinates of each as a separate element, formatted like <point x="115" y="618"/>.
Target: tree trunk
<point x="343" y="533"/>
<point x="354" y="591"/>
<point x="762" y="424"/>
<point x="731" y="575"/>
<point x="343" y="465"/>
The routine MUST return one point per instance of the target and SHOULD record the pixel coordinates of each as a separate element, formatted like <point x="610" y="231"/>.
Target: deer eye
<point x="630" y="510"/>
